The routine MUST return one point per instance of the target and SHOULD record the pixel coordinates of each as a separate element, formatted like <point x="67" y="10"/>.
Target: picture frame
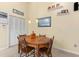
<point x="44" y="22"/>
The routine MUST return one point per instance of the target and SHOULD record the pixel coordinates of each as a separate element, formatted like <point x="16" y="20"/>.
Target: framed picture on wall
<point x="44" y="22"/>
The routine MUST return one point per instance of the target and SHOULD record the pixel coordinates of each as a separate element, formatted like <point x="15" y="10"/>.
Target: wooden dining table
<point x="37" y="43"/>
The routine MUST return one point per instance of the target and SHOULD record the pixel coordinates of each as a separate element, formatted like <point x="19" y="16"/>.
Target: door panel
<point x="17" y="27"/>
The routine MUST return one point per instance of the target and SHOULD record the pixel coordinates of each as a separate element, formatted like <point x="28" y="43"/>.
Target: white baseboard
<point x="73" y="52"/>
<point x="7" y="47"/>
<point x="3" y="48"/>
<point x="13" y="45"/>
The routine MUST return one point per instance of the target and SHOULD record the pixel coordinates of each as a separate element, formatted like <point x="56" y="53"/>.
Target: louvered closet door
<point x="12" y="30"/>
<point x="22" y="26"/>
<point x="17" y="26"/>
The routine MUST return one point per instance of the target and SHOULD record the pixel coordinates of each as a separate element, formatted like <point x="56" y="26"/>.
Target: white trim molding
<point x="69" y="51"/>
<point x="3" y="48"/>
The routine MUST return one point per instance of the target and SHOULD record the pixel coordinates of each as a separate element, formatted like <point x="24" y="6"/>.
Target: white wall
<point x="65" y="28"/>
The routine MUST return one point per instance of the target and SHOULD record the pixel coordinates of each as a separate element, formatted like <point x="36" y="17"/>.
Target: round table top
<point x="37" y="40"/>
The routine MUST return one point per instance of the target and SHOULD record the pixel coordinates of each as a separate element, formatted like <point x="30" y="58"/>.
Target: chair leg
<point x="18" y="48"/>
<point x="20" y="54"/>
<point x="50" y="55"/>
<point x="34" y="54"/>
<point x="26" y="55"/>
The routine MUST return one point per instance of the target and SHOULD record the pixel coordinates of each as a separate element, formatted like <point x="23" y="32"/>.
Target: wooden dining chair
<point x="47" y="51"/>
<point x="18" y="37"/>
<point x="24" y="48"/>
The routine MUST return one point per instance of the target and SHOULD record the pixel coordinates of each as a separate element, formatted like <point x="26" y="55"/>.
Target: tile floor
<point x="12" y="52"/>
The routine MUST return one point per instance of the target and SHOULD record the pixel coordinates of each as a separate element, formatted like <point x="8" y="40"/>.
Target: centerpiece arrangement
<point x="33" y="35"/>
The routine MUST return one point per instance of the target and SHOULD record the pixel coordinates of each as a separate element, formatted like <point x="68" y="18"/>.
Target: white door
<point x="16" y="27"/>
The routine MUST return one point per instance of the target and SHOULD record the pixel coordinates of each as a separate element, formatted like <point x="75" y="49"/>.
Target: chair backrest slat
<point x="21" y="39"/>
<point x="21" y="36"/>
<point x="42" y="35"/>
<point x="23" y="43"/>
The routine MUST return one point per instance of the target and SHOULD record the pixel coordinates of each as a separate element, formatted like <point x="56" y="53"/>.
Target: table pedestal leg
<point x="37" y="52"/>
